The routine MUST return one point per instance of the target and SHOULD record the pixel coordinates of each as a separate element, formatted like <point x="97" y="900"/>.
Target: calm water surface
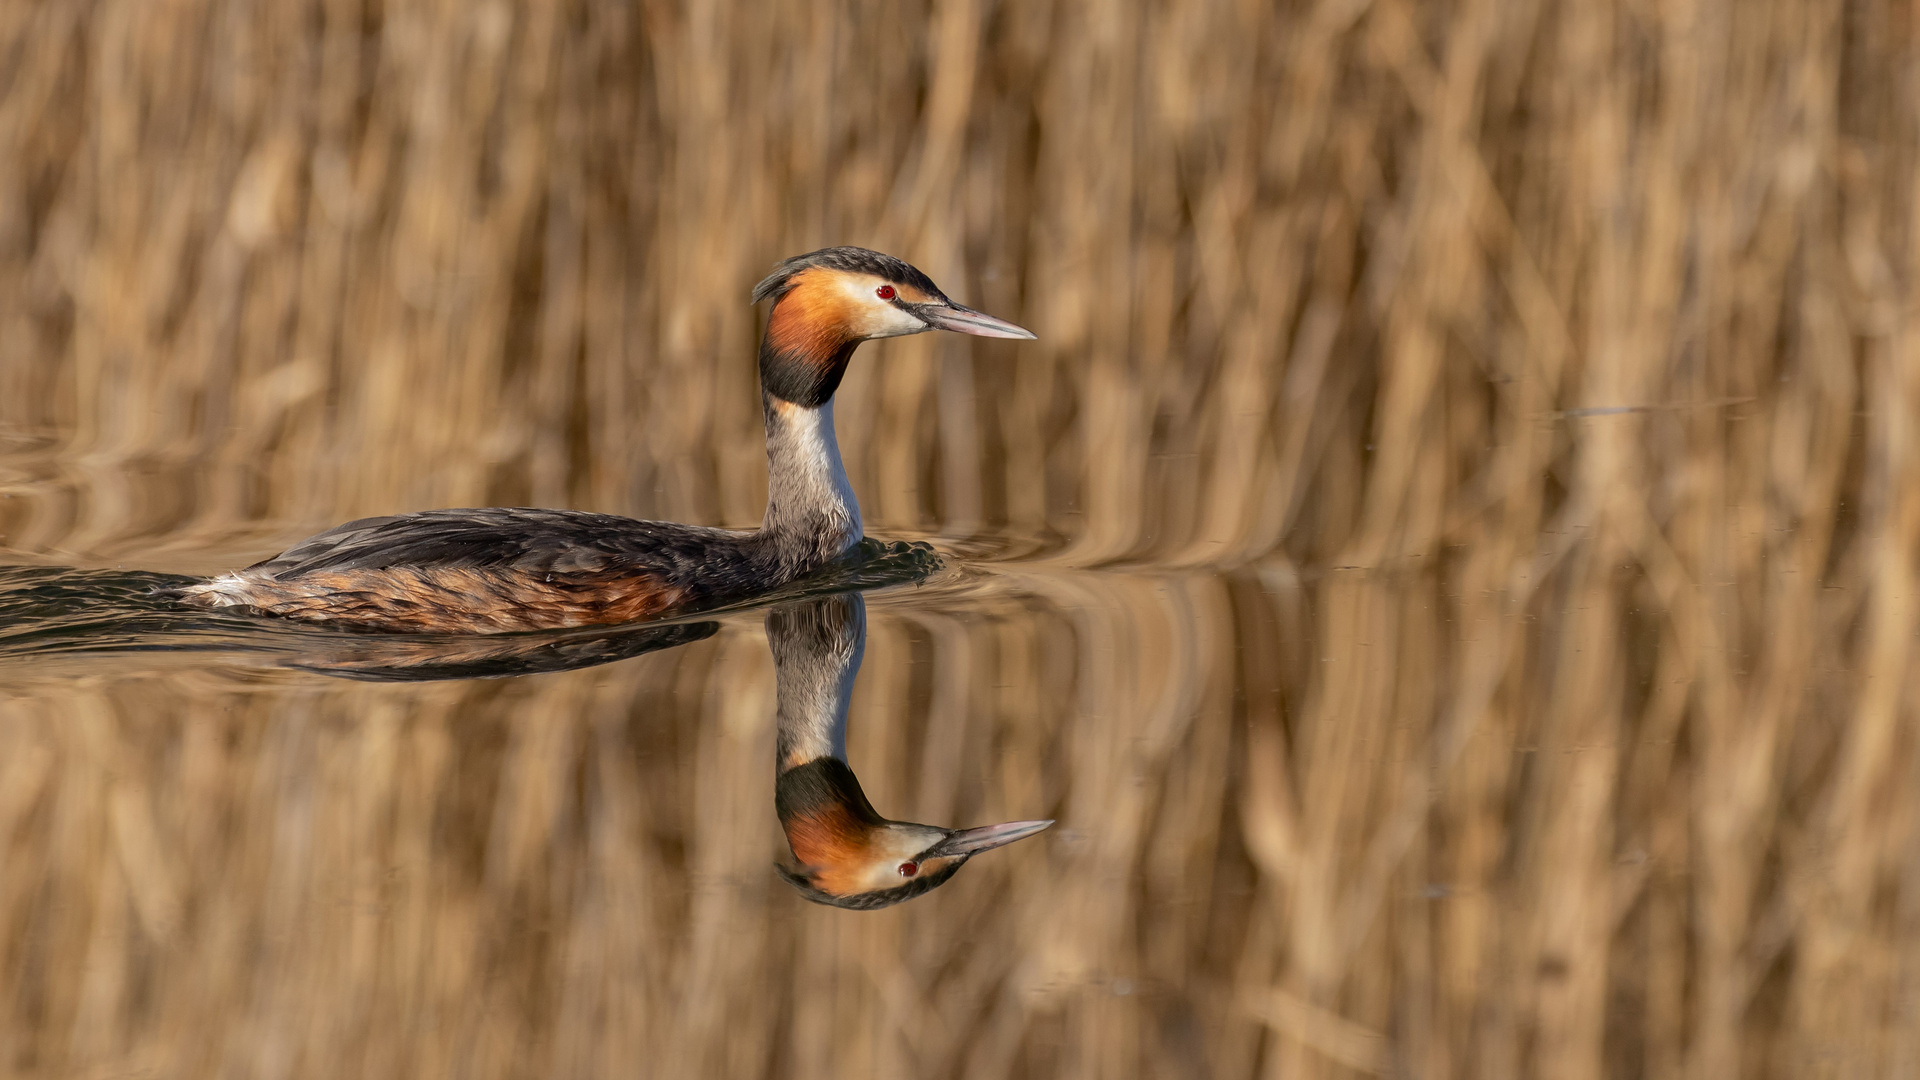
<point x="1313" y="818"/>
<point x="232" y="844"/>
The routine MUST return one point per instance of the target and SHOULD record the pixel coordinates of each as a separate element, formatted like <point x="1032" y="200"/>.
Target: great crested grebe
<point x="498" y="570"/>
<point x="849" y="856"/>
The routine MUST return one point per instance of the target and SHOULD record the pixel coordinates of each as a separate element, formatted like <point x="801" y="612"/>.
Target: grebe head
<point x="826" y="302"/>
<point x="851" y="857"/>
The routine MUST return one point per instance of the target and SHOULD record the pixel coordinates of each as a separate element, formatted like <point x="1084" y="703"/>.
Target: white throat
<point x="807" y="486"/>
<point x="816" y="654"/>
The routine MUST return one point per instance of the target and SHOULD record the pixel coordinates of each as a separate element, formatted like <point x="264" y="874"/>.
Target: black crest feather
<point x="868" y="901"/>
<point x="851" y="259"/>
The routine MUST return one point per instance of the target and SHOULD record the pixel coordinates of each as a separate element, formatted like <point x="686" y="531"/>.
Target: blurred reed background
<point x="1457" y="533"/>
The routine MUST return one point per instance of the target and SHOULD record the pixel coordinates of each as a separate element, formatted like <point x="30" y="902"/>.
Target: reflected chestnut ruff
<point x="848" y="855"/>
<point x="506" y="570"/>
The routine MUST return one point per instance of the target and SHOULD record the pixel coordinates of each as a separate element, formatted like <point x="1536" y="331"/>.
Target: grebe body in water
<point x="498" y="570"/>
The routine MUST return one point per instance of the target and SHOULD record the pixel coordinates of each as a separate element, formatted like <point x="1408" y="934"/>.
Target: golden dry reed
<point x="1465" y="495"/>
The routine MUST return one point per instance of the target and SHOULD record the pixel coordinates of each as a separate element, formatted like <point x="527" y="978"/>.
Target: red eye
<point x="908" y="869"/>
<point x="885" y="292"/>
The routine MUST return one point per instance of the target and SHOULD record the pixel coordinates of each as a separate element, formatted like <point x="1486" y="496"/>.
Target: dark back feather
<point x="530" y="541"/>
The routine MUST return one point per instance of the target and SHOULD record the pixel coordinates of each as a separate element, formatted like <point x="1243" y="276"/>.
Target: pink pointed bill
<point x="965" y="320"/>
<point x="987" y="837"/>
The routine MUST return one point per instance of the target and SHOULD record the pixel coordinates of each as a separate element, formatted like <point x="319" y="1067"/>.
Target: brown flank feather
<point x="441" y="600"/>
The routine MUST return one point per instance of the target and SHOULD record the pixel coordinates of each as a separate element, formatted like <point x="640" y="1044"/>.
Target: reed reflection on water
<point x="1447" y="563"/>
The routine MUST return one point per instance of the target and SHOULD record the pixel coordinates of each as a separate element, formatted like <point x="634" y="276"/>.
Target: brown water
<point x="1312" y="814"/>
<point x="253" y="864"/>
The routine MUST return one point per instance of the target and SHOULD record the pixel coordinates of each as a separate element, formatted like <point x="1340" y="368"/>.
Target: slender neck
<point x="817" y="647"/>
<point x="811" y="512"/>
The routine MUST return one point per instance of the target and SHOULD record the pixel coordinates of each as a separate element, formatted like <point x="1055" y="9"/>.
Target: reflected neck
<point x="817" y="648"/>
<point x="810" y="505"/>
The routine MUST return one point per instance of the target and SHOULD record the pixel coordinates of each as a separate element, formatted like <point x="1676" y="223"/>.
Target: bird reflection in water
<point x="847" y="855"/>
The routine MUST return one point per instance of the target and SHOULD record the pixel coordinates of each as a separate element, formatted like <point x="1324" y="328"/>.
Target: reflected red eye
<point x="885" y="292"/>
<point x="908" y="869"/>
